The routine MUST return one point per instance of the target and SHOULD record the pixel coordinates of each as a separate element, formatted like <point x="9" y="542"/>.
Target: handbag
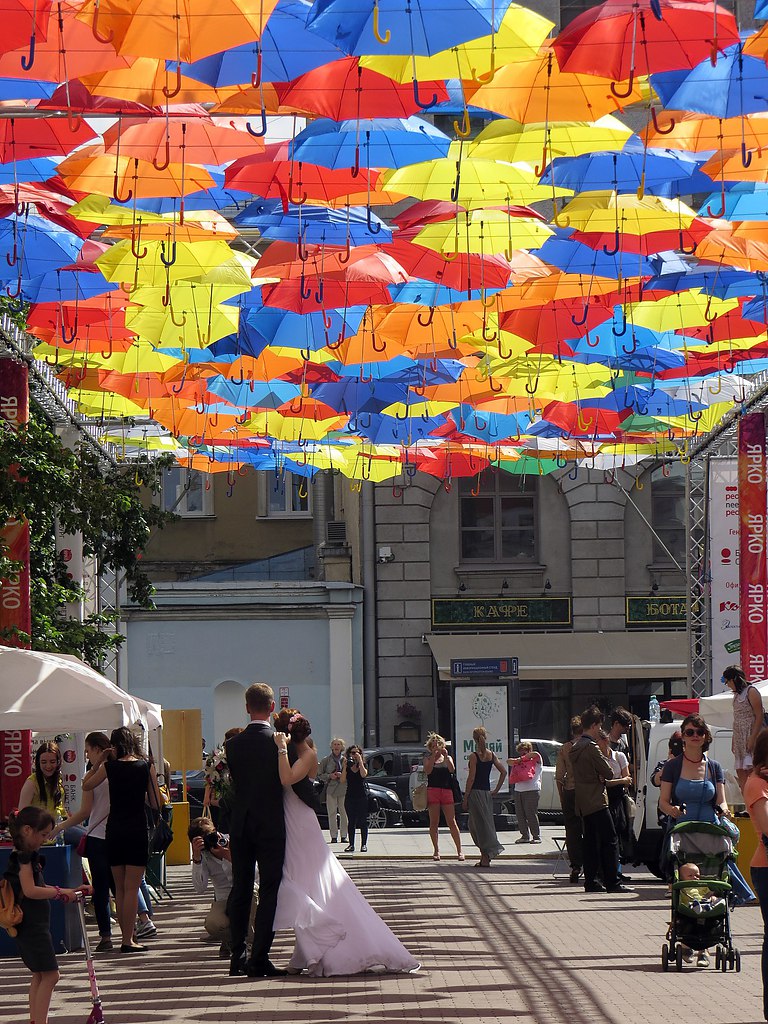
<point x="419" y="797"/>
<point x="730" y="827"/>
<point x="458" y="796"/>
<point x="160" y="833"/>
<point x="11" y="913"/>
<point x="83" y="841"/>
<point x="524" y="771"/>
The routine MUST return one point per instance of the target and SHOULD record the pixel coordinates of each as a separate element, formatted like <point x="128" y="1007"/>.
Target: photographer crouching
<point x="212" y="862"/>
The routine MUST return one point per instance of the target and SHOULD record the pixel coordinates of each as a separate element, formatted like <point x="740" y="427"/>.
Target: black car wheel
<point x="377" y="816"/>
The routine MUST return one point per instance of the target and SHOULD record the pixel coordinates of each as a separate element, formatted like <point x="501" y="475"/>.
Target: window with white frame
<point x="288" y="495"/>
<point x="497" y="518"/>
<point x="187" y="492"/>
<point x="668" y="512"/>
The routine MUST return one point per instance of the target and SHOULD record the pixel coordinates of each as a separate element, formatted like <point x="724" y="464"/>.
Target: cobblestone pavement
<point x="506" y="945"/>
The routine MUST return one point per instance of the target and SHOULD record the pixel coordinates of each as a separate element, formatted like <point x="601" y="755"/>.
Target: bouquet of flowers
<point x="217" y="773"/>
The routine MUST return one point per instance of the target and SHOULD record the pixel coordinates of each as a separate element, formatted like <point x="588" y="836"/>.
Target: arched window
<point x="668" y="512"/>
<point x="498" y="523"/>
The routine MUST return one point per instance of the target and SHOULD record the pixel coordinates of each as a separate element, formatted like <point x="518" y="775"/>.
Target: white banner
<point x="72" y="769"/>
<point x="724" y="565"/>
<point x="484" y="705"/>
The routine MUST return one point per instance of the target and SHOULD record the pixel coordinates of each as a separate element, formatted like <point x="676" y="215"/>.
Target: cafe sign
<point x="656" y="612"/>
<point x="502" y="613"/>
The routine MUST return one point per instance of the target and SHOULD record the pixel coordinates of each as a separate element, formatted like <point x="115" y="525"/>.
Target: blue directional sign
<point x="483" y="667"/>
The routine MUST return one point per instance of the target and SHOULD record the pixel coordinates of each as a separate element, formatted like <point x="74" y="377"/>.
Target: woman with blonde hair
<point x="439" y="767"/>
<point x="478" y="798"/>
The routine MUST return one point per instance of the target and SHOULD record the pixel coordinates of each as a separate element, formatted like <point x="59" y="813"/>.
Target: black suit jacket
<point x="257" y="801"/>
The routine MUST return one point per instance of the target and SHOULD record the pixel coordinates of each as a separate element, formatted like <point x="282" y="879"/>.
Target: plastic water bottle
<point x="654" y="711"/>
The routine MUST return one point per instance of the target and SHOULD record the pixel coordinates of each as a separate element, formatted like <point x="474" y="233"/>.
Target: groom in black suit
<point x="257" y="834"/>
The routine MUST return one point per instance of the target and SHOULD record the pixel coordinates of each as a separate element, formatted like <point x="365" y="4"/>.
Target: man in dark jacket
<point x="590" y="772"/>
<point x="257" y="834"/>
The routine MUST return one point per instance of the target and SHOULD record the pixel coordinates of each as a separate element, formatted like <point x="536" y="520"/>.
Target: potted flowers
<point x="408" y="729"/>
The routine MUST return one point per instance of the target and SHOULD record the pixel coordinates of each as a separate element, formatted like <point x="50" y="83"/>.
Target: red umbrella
<point x="619" y="39"/>
<point x="324" y="293"/>
<point x="74" y="96"/>
<point x="468" y="270"/>
<point x="25" y="21"/>
<point x="682" y="706"/>
<point x="345" y="91"/>
<point x="647" y="244"/>
<point x="564" y="319"/>
<point x="583" y="420"/>
<point x="30" y="137"/>
<point x="295" y="182"/>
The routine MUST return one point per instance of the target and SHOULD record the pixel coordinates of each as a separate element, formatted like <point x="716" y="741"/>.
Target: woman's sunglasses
<point x="695" y="732"/>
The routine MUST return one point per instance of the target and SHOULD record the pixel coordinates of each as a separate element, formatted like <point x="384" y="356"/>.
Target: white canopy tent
<point x="718" y="709"/>
<point x="56" y="693"/>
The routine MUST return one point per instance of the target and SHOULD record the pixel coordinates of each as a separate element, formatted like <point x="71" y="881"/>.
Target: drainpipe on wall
<point x="322" y="511"/>
<point x="370" y="663"/>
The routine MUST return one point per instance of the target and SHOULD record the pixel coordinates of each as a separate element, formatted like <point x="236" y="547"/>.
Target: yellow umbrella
<point x="677" y="312"/>
<point x="184" y="260"/>
<point x="600" y="212"/>
<point x="196" y="226"/>
<point x="174" y="326"/>
<point x="90" y="169"/>
<point x="519" y="37"/>
<point x="520" y="143"/>
<point x="102" y="210"/>
<point x="292" y="428"/>
<point x="105" y="404"/>
<point x="537" y="90"/>
<point x="483" y="231"/>
<point x="469" y="182"/>
<point x="185" y="295"/>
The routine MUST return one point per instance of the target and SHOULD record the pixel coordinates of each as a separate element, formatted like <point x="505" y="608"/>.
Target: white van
<point x="651" y="745"/>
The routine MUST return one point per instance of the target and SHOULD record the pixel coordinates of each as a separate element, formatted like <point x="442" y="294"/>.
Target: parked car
<point x="195" y="790"/>
<point x="549" y="801"/>
<point x="384" y="806"/>
<point x="396" y="764"/>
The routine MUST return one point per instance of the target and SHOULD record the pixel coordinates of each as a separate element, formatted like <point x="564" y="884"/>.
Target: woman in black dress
<point x="353" y="772"/>
<point x="131" y="780"/>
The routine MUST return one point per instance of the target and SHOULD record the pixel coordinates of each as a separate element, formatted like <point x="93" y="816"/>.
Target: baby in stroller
<point x="700" y="916"/>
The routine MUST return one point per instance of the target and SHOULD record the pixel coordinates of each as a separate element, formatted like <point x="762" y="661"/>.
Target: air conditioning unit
<point x="335" y="533"/>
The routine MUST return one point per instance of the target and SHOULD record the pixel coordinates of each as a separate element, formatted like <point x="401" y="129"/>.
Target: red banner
<point x="752" y="553"/>
<point x="15" y="609"/>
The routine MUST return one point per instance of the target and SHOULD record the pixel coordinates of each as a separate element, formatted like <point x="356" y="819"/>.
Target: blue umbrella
<point x="215" y="198"/>
<point x="286" y="50"/>
<point x="493" y="427"/>
<point x="33" y="246"/>
<point x="573" y="257"/>
<point x="26" y="89"/>
<point x="421" y="27"/>
<point x="410" y="430"/>
<point x="37" y="168"/>
<point x="737" y="84"/>
<point x="65" y="285"/>
<point x="317" y="225"/>
<point x="283" y="328"/>
<point x="377" y="142"/>
<point x="740" y="200"/>
<point x="620" y="171"/>
<point x="352" y="397"/>
<point x="253" y="394"/>
<point x="403" y="370"/>
<point x="419" y="292"/>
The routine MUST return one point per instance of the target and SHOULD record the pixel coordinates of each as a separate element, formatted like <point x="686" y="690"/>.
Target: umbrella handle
<point x="320" y="290"/>
<point x="373" y="228"/>
<point x="13" y="258"/>
<point x="116" y="192"/>
<point x="695" y="416"/>
<point x="487" y="75"/>
<point x="561" y="220"/>
<point x="262" y="131"/>
<point x="381" y="39"/>
<point x="615" y="248"/>
<point x="291" y="198"/>
<point x="539" y="169"/>
<point x="417" y="101"/>
<point x="135" y="240"/>
<point x="488" y="337"/>
<point x="580" y="321"/>
<point x="464" y="129"/>
<point x="304" y="294"/>
<point x="535" y="388"/>
<point x="95" y="27"/>
<point x="500" y="388"/>
<point x="378" y="348"/>
<point x="356" y="166"/>
<point x="176" y="389"/>
<point x="430" y="318"/>
<point x="348" y="253"/>
<point x="560" y="461"/>
<point x="630" y="87"/>
<point x="681" y="247"/>
<point x="163" y="166"/>
<point x="609" y="477"/>
<point x="327" y="322"/>
<point x="69" y="338"/>
<point x="256" y="75"/>
<point x="502" y="353"/>
<point x="487" y="302"/>
<point x="722" y="204"/>
<point x="629" y="351"/>
<point x="746" y="155"/>
<point x="73" y="120"/>
<point x="592" y="344"/>
<point x="657" y="127"/>
<point x="707" y="316"/>
<point x="333" y="345"/>
<point x="620" y="333"/>
<point x="666" y="469"/>
<point x="168" y="262"/>
<point x="574" y="472"/>
<point x="178" y="323"/>
<point x="584" y="425"/>
<point x="27" y="62"/>
<point x="170" y="93"/>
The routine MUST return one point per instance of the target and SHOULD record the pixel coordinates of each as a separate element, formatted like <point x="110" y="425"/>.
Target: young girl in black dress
<point x="30" y="828"/>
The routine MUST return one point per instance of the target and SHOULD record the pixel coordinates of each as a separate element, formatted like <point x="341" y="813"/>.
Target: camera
<point x="212" y="840"/>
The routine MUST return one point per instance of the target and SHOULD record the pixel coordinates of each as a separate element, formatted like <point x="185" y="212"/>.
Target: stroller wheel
<point x="718" y="958"/>
<point x="724" y="959"/>
<point x="679" y="956"/>
<point x="665" y="957"/>
<point x="736" y="961"/>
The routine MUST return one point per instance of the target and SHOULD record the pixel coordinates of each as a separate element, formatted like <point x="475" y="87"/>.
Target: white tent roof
<point x="718" y="709"/>
<point x="58" y="693"/>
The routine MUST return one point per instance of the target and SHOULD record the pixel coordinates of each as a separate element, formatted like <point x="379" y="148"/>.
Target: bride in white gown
<point x="337" y="931"/>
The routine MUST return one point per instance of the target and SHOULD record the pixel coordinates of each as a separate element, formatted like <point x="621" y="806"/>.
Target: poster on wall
<point x="752" y="567"/>
<point x="484" y="705"/>
<point x="724" y="565"/>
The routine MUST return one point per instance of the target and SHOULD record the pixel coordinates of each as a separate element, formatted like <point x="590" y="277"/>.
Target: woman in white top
<point x="95" y="807"/>
<point x="616" y="789"/>
<point x="527" y="793"/>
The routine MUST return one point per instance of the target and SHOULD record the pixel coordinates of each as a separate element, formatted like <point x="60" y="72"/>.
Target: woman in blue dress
<point x="693" y="789"/>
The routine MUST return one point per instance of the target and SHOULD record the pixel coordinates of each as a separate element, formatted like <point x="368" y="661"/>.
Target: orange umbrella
<point x="92" y="170"/>
<point x="147" y="81"/>
<point x="197" y="141"/>
<point x="698" y="132"/>
<point x="728" y="165"/>
<point x="182" y="29"/>
<point x="536" y="90"/>
<point x="734" y="250"/>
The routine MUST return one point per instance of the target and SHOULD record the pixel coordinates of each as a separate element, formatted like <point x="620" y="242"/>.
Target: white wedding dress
<point x="337" y="931"/>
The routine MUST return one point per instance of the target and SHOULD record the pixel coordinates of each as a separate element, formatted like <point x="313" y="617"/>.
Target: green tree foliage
<point x="54" y="486"/>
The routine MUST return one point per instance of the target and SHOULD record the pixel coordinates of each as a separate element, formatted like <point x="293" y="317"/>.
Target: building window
<point x="668" y="512"/>
<point x="570" y="9"/>
<point x="497" y="518"/>
<point x="187" y="492"/>
<point x="288" y="495"/>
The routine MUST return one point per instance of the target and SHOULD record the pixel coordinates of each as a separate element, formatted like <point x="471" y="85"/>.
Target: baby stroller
<point x="710" y="847"/>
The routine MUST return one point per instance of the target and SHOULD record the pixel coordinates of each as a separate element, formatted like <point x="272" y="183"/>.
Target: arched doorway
<point x="228" y="709"/>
